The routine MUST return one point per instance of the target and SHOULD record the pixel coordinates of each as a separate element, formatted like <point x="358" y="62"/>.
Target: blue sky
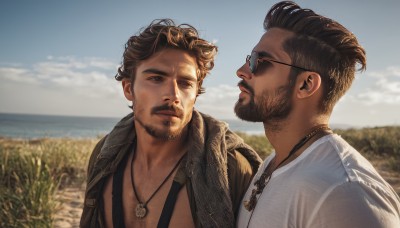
<point x="60" y="57"/>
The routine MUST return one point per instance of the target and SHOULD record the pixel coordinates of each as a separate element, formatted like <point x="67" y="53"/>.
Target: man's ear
<point x="127" y="87"/>
<point x="307" y="84"/>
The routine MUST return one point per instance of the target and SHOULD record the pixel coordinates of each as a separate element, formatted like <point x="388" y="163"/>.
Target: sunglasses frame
<point x="253" y="66"/>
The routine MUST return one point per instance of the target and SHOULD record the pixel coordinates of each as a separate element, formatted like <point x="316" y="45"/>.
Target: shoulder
<point x="358" y="204"/>
<point x="238" y="164"/>
<point x="332" y="162"/>
<point x="345" y="185"/>
<point x="95" y="153"/>
<point x="345" y="164"/>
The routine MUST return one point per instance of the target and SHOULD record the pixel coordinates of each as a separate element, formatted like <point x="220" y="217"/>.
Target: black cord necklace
<point x="141" y="207"/>
<point x="266" y="175"/>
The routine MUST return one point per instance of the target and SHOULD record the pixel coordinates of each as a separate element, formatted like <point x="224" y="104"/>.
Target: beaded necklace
<point x="266" y="175"/>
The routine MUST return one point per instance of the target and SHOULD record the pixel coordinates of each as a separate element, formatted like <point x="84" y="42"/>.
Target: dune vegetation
<point x="33" y="171"/>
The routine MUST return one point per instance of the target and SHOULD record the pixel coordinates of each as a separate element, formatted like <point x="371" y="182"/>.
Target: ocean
<point x="26" y="126"/>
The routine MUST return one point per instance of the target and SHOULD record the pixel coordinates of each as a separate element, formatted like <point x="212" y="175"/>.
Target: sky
<point x="60" y="57"/>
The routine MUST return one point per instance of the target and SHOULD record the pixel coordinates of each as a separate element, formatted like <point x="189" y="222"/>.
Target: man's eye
<point x="186" y="84"/>
<point x="155" y="78"/>
<point x="263" y="65"/>
<point x="264" y="62"/>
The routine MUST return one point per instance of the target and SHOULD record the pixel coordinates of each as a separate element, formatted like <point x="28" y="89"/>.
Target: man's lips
<point x="243" y="89"/>
<point x="167" y="113"/>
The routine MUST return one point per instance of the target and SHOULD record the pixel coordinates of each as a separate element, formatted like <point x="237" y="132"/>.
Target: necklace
<point x="141" y="207"/>
<point x="266" y="175"/>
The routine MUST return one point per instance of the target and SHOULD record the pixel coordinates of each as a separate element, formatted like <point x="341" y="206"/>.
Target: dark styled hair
<point x="319" y="44"/>
<point x="162" y="34"/>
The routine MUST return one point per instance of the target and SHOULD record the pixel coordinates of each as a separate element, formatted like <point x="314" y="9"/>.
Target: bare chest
<point x="152" y="194"/>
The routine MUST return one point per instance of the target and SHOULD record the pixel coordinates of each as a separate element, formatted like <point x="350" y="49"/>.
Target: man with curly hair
<point x="302" y="65"/>
<point x="166" y="164"/>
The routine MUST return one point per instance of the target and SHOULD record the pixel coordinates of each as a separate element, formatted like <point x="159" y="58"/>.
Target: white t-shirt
<point x="329" y="185"/>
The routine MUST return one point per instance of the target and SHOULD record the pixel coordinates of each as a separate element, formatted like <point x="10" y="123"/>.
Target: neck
<point x="288" y="133"/>
<point x="152" y="152"/>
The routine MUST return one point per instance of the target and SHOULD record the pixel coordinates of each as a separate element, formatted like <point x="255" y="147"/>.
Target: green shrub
<point x="394" y="164"/>
<point x="377" y="140"/>
<point x="31" y="172"/>
<point x="28" y="190"/>
<point x="258" y="142"/>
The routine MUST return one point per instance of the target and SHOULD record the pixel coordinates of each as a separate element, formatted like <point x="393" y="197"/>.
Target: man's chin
<point x="163" y="134"/>
<point x="166" y="132"/>
<point x="248" y="118"/>
<point x="246" y="113"/>
<point x="168" y="136"/>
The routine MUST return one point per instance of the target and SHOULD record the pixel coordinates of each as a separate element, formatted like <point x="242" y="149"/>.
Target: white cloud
<point x="102" y="63"/>
<point x="386" y="90"/>
<point x="91" y="77"/>
<point x="218" y="101"/>
<point x="358" y="114"/>
<point x="19" y="75"/>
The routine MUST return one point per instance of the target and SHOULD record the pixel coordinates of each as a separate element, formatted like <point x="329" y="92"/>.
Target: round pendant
<point x="141" y="210"/>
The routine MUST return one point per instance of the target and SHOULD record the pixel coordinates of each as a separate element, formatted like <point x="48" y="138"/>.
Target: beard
<point x="270" y="108"/>
<point x="165" y="133"/>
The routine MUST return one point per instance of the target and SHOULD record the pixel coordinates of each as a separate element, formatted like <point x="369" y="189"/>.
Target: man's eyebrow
<point x="189" y="78"/>
<point x="265" y="54"/>
<point x="163" y="73"/>
<point x="154" y="71"/>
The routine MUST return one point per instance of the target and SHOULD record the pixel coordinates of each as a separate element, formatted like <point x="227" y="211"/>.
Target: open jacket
<point x="217" y="170"/>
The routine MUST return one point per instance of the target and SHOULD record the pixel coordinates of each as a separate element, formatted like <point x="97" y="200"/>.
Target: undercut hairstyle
<point x="321" y="45"/>
<point x="162" y="34"/>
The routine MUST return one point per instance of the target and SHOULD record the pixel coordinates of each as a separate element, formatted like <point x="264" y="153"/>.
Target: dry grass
<point x="33" y="172"/>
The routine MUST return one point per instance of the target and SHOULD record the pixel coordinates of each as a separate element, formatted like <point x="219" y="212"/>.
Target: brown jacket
<point x="217" y="170"/>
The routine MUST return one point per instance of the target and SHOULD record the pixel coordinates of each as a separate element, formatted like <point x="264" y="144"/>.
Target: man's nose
<point x="244" y="72"/>
<point x="172" y="92"/>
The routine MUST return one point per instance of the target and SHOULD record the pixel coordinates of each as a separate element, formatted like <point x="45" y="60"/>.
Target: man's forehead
<point x="272" y="42"/>
<point x="169" y="61"/>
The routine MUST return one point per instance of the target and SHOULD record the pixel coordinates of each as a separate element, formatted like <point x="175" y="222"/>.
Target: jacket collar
<point x="209" y="142"/>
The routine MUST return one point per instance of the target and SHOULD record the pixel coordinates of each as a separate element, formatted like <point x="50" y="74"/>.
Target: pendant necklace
<point x="141" y="207"/>
<point x="266" y="175"/>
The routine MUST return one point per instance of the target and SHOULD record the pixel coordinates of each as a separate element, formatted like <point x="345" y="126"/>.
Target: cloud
<point x="218" y="101"/>
<point x="386" y="89"/>
<point x="91" y="77"/>
<point x="17" y="74"/>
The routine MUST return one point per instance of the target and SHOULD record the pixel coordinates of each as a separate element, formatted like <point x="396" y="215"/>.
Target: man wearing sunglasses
<point x="291" y="81"/>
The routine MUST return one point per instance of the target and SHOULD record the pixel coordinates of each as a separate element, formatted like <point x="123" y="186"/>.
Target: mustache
<point x="246" y="86"/>
<point x="168" y="107"/>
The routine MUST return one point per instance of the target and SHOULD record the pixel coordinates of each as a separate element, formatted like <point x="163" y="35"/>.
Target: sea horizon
<point x="35" y="126"/>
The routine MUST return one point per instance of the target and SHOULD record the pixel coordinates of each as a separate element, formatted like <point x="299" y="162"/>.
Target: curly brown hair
<point x="320" y="44"/>
<point x="161" y="34"/>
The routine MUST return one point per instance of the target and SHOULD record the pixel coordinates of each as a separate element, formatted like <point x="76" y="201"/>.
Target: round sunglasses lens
<point x="253" y="62"/>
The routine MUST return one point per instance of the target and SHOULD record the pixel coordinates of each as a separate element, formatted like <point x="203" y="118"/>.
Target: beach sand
<point x="71" y="199"/>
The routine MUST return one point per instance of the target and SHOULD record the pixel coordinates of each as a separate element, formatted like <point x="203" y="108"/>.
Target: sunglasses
<point x="255" y="58"/>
